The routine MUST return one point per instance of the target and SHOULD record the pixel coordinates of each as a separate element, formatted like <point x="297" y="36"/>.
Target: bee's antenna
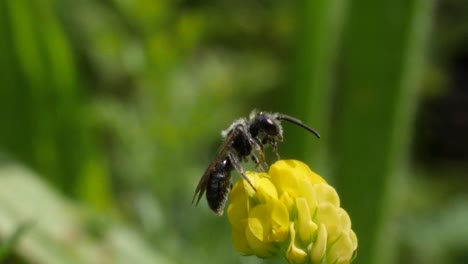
<point x="298" y="123"/>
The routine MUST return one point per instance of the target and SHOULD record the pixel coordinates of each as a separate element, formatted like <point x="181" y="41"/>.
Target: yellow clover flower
<point x="293" y="213"/>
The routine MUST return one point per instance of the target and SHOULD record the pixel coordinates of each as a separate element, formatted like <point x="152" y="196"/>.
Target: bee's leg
<point x="257" y="162"/>
<point x="235" y="160"/>
<point x="258" y="146"/>
<point x="274" y="148"/>
<point x="262" y="160"/>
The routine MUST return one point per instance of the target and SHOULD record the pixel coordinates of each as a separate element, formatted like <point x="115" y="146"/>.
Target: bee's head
<point x="266" y="127"/>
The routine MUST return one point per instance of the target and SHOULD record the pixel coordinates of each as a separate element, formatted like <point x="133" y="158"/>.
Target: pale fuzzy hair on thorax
<point x="253" y="114"/>
<point x="239" y="122"/>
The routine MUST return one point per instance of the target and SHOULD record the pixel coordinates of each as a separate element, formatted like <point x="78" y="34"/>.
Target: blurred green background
<point x="110" y="111"/>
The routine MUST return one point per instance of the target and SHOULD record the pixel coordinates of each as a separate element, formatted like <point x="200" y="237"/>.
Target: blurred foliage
<point x="432" y="226"/>
<point x="52" y="230"/>
<point x="118" y="106"/>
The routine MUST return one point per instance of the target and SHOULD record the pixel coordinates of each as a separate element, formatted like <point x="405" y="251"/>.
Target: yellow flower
<point x="293" y="213"/>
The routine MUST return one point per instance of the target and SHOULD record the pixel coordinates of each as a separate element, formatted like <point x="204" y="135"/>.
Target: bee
<point x="244" y="139"/>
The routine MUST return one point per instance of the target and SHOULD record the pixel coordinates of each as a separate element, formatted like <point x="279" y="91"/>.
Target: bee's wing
<point x="201" y="187"/>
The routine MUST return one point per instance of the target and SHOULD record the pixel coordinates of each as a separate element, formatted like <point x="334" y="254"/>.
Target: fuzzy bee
<point x="244" y="139"/>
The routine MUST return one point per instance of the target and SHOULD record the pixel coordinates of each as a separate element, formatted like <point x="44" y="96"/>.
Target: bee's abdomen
<point x="218" y="189"/>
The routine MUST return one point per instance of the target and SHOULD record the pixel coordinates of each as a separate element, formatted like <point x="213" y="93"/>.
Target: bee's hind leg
<point x="259" y="163"/>
<point x="274" y="148"/>
<point x="235" y="160"/>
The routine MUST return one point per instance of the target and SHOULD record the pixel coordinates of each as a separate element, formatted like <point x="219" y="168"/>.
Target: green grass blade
<point x="383" y="53"/>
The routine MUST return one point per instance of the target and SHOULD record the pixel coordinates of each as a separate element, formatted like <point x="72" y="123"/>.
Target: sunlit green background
<point x="110" y="111"/>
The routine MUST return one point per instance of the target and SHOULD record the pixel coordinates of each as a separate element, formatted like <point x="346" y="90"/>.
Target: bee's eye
<point x="269" y="126"/>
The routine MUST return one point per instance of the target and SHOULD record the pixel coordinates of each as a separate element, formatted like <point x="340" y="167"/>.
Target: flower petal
<point x="305" y="189"/>
<point x="294" y="168"/>
<point x="283" y="178"/>
<point x="259" y="222"/>
<point x="238" y="207"/>
<point x="327" y="214"/>
<point x="239" y="241"/>
<point x="265" y="190"/>
<point x="258" y="247"/>
<point x="253" y="178"/>
<point x="279" y="221"/>
<point x="342" y="250"/>
<point x="319" y="247"/>
<point x="326" y="193"/>
<point x="344" y="219"/>
<point x="353" y="238"/>
<point x="287" y="201"/>
<point x="294" y="254"/>
<point x="305" y="226"/>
